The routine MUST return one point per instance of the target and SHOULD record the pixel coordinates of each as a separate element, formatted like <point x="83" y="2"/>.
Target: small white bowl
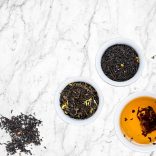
<point x="119" y="41"/>
<point x="68" y="119"/>
<point x="124" y="140"/>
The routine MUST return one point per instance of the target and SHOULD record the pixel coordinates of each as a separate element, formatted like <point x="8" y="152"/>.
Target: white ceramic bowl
<point x="124" y="140"/>
<point x="68" y="119"/>
<point x="119" y="41"/>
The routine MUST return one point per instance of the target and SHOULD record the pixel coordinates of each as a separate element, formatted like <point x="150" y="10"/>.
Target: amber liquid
<point x="130" y="125"/>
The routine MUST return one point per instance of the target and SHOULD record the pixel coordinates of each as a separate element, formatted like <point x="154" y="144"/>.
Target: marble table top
<point x="43" y="42"/>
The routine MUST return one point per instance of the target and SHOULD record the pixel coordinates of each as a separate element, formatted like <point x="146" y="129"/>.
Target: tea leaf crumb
<point x="126" y="119"/>
<point x="91" y="110"/>
<point x="131" y="139"/>
<point x="88" y="102"/>
<point x="150" y="139"/>
<point x="122" y="65"/>
<point x="65" y="105"/>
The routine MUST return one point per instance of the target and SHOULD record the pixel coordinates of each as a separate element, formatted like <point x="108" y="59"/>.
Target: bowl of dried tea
<point x="120" y="62"/>
<point x="78" y="101"/>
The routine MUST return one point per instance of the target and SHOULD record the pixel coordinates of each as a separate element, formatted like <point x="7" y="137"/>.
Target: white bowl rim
<point x="119" y="108"/>
<point x="119" y="41"/>
<point x="66" y="118"/>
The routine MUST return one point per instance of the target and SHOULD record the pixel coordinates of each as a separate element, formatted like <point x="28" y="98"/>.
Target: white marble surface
<point x="43" y="42"/>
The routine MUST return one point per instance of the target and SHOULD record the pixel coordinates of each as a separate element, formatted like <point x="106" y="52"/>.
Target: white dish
<point x="124" y="140"/>
<point x="119" y="41"/>
<point x="68" y="119"/>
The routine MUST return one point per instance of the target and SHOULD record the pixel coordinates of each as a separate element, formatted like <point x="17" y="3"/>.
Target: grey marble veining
<point x="43" y="42"/>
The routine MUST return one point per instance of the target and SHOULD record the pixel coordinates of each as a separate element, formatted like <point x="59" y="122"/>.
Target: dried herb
<point x="126" y="119"/>
<point x="79" y="100"/>
<point x="147" y="118"/>
<point x="150" y="139"/>
<point x="131" y="139"/>
<point x="120" y="62"/>
<point x="23" y="131"/>
<point x="153" y="57"/>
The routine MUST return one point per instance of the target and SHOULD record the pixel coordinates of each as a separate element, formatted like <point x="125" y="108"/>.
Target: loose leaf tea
<point x="79" y="100"/>
<point x="23" y="131"/>
<point x="120" y="62"/>
<point x="147" y="118"/>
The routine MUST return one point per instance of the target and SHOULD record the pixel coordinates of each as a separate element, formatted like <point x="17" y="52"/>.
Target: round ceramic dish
<point x="102" y="51"/>
<point x="124" y="140"/>
<point x="68" y="119"/>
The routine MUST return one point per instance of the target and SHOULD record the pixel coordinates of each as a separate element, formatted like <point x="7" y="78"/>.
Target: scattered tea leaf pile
<point x="120" y="62"/>
<point x="22" y="130"/>
<point x="79" y="100"/>
<point x="147" y="118"/>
